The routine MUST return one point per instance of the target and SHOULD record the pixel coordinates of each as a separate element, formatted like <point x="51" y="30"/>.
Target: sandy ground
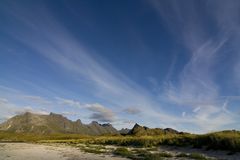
<point x="25" y="151"/>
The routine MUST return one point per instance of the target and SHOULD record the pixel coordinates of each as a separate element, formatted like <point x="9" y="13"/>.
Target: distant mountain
<point x="124" y="131"/>
<point x="138" y="130"/>
<point x="53" y="123"/>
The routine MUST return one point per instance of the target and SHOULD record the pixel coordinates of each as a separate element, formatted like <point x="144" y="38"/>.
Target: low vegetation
<point x="93" y="149"/>
<point x="226" y="140"/>
<point x="146" y="155"/>
<point x="141" y="147"/>
<point x="30" y="137"/>
<point x="216" y="141"/>
<point x="124" y="152"/>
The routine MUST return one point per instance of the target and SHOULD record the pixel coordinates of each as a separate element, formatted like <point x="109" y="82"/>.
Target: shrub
<point x="124" y="152"/>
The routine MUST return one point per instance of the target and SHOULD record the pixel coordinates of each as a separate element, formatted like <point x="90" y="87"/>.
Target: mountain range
<point x="53" y="123"/>
<point x="57" y="123"/>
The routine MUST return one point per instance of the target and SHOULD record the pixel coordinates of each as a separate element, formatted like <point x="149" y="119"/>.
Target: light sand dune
<point x="25" y="151"/>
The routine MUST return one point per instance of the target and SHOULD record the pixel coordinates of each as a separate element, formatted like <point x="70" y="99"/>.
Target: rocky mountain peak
<point x="136" y="125"/>
<point x="79" y="121"/>
<point x="53" y="123"/>
<point x="94" y="123"/>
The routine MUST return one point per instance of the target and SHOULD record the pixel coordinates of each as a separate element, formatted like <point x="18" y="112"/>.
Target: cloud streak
<point x="197" y="87"/>
<point x="57" y="45"/>
<point x="195" y="92"/>
<point x="69" y="102"/>
<point x="37" y="99"/>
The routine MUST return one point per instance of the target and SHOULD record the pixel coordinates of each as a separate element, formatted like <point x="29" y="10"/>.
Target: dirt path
<point x="25" y="151"/>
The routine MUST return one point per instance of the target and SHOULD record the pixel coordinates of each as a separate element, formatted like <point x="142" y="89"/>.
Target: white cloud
<point x="100" y="113"/>
<point x="69" y="102"/>
<point x="37" y="99"/>
<point x="3" y="100"/>
<point x="196" y="109"/>
<point x="49" y="39"/>
<point x="66" y="113"/>
<point x="212" y="118"/>
<point x="24" y="109"/>
<point x="10" y="109"/>
<point x="124" y="123"/>
<point x="183" y="114"/>
<point x="132" y="110"/>
<point x="197" y="88"/>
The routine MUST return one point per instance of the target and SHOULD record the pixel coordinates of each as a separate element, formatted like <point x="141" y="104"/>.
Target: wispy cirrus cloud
<point x="69" y="102"/>
<point x="48" y="38"/>
<point x="37" y="99"/>
<point x="196" y="82"/>
<point x="13" y="102"/>
<point x="197" y="88"/>
<point x="3" y="100"/>
<point x="34" y="104"/>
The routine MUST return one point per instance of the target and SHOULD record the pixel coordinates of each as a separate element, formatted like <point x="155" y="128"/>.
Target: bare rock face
<point x="138" y="130"/>
<point x="124" y="131"/>
<point x="53" y="123"/>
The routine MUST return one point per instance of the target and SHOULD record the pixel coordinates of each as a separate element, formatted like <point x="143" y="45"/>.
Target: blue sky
<point x="154" y="62"/>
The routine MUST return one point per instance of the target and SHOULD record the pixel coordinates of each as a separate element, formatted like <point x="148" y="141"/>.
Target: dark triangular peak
<point x="136" y="126"/>
<point x="137" y="129"/>
<point x="170" y="130"/>
<point x="78" y="121"/>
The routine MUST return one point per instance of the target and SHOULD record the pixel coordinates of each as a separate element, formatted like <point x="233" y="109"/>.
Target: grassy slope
<point x="227" y="140"/>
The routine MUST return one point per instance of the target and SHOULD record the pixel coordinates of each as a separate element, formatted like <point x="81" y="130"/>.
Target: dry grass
<point x="226" y="140"/>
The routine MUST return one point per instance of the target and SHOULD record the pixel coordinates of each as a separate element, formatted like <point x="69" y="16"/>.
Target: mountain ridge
<point x="139" y="130"/>
<point x="53" y="123"/>
<point x="56" y="123"/>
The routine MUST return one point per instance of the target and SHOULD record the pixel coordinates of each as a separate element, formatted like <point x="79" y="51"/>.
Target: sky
<point x="158" y="63"/>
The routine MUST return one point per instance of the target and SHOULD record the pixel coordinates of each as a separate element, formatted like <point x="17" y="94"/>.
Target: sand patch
<point x="25" y="151"/>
